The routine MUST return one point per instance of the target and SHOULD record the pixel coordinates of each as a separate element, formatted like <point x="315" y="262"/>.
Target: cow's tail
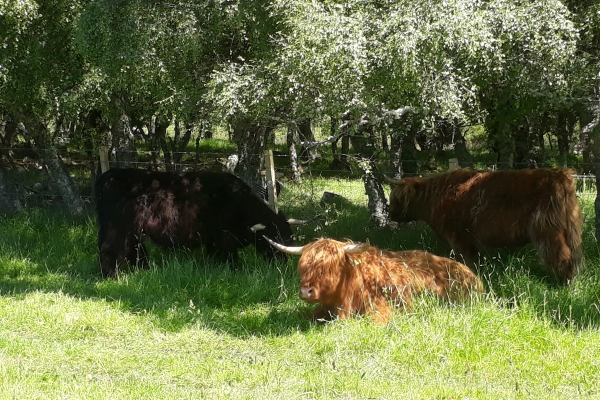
<point x="558" y="234"/>
<point x="574" y="224"/>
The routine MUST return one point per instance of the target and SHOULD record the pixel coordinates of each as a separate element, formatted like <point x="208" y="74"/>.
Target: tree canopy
<point x="497" y="63"/>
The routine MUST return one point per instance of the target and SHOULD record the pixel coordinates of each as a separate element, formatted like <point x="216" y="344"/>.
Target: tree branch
<point x="332" y="138"/>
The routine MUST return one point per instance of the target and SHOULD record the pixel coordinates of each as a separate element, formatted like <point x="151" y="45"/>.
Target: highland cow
<point x="472" y="211"/>
<point x="355" y="278"/>
<point x="216" y="210"/>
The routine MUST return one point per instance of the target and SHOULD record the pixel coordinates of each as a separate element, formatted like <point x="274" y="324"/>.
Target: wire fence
<point x="31" y="181"/>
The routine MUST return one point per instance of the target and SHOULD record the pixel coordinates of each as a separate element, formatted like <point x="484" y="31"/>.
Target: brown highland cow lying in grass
<point x="348" y="278"/>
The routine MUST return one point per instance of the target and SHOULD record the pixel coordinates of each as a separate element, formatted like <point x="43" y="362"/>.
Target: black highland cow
<point x="214" y="209"/>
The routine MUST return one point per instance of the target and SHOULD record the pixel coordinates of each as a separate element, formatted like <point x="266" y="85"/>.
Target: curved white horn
<point x="257" y="227"/>
<point x="355" y="248"/>
<point x="294" y="221"/>
<point x="285" y="249"/>
<point x="392" y="181"/>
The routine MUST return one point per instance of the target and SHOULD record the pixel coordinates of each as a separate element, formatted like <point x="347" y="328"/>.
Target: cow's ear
<point x="351" y="262"/>
<point x="257" y="227"/>
<point x="408" y="193"/>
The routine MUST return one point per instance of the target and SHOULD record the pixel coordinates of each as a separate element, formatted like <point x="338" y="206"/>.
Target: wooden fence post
<point x="104" y="159"/>
<point x="453" y="164"/>
<point x="270" y="179"/>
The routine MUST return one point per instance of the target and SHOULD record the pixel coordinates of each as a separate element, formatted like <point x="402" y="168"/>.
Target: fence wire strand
<point x="31" y="180"/>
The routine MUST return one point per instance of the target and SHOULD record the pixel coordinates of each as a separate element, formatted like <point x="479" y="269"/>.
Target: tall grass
<point x="189" y="328"/>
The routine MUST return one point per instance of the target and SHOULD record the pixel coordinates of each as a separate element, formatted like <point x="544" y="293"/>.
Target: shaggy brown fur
<point x="473" y="210"/>
<point x="371" y="281"/>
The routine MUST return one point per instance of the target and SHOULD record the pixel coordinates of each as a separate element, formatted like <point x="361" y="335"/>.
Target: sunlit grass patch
<point x="188" y="327"/>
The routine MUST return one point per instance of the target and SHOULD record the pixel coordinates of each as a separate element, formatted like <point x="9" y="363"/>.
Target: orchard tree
<point x="536" y="44"/>
<point x="120" y="40"/>
<point x="155" y="59"/>
<point x="587" y="96"/>
<point x="241" y="87"/>
<point x="39" y="69"/>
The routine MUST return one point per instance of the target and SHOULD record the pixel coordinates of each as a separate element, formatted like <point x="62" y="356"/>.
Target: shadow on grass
<point x="51" y="252"/>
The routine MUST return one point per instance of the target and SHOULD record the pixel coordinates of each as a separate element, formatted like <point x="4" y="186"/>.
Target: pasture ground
<point x="188" y="328"/>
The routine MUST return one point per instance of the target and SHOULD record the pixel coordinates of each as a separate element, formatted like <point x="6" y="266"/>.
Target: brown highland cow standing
<point x="473" y="210"/>
<point x="348" y="278"/>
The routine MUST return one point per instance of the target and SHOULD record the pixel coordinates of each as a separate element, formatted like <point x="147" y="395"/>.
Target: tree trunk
<point x="586" y="119"/>
<point x="161" y="124"/>
<point x="334" y="144"/>
<point x="363" y="140"/>
<point x="460" y="146"/>
<point x="378" y="206"/>
<point x="10" y="202"/>
<point x="123" y="142"/>
<point x="180" y="143"/>
<point x="345" y="149"/>
<point x="9" y="130"/>
<point x="205" y="130"/>
<point x="249" y="138"/>
<point x="562" y="135"/>
<point x="307" y="135"/>
<point x="592" y="130"/>
<point x="396" y="156"/>
<point x="526" y="155"/>
<point x="499" y="128"/>
<point x="42" y="140"/>
<point x="153" y="144"/>
<point x="66" y="186"/>
<point x="339" y="161"/>
<point x="503" y="145"/>
<point x="409" y="151"/>
<point x="291" y="140"/>
<point x="385" y="141"/>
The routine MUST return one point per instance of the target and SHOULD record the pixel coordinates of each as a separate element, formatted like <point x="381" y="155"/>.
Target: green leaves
<point x="286" y="60"/>
<point x="440" y="57"/>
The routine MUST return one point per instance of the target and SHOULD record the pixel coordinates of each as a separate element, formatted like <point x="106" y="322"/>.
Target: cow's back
<point x="189" y="209"/>
<point x="500" y="209"/>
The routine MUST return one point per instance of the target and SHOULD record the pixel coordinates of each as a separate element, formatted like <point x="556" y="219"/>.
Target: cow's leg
<point x="136" y="253"/>
<point x="108" y="262"/>
<point x="111" y="248"/>
<point x="223" y="247"/>
<point x="116" y="246"/>
<point x="221" y="254"/>
<point x="324" y="314"/>
<point x="465" y="252"/>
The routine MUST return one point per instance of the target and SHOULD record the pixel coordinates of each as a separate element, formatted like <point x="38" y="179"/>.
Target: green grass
<point x="188" y="328"/>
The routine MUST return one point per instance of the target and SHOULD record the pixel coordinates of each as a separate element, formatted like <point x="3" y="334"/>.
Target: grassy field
<point x="189" y="329"/>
